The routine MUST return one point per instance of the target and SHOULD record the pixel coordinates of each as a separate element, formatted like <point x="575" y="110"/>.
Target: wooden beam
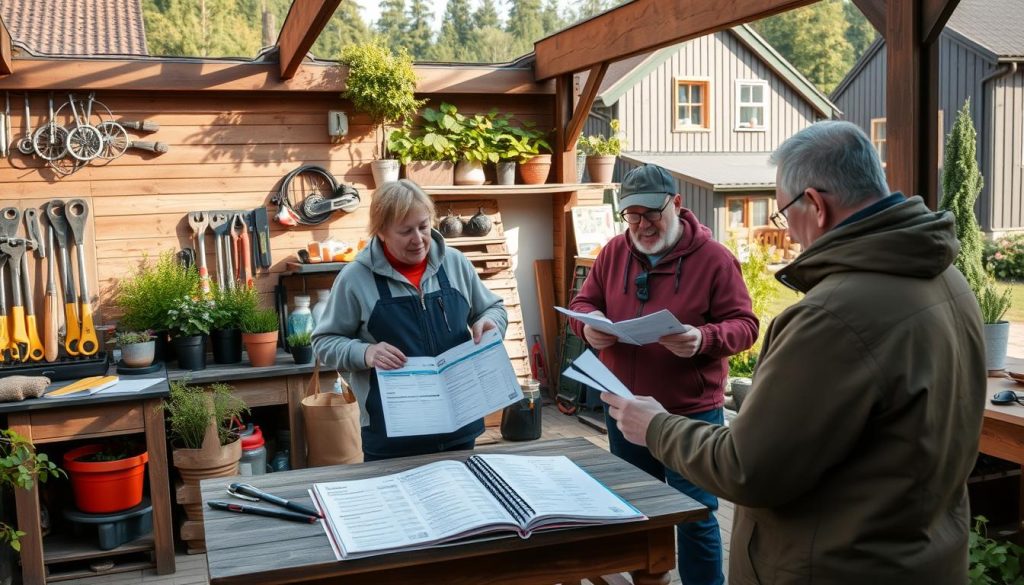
<point x="586" y="101"/>
<point x="874" y="11"/>
<point x="641" y="26"/>
<point x="934" y="16"/>
<point x="305" y="20"/>
<point x="928" y="169"/>
<point x="175" y="75"/>
<point x="563" y="160"/>
<point x="6" y="60"/>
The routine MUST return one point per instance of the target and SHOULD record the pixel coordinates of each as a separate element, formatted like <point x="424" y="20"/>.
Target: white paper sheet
<point x="441" y="394"/>
<point x="639" y="331"/>
<point x="601" y="378"/>
<point x="124" y="386"/>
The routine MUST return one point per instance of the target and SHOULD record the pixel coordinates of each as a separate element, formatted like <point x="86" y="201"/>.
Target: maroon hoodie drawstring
<point x="679" y="272"/>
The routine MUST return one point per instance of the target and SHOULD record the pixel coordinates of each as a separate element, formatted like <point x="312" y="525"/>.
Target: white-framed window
<point x="691" y="104"/>
<point x="751" y="105"/>
<point x="878" y="137"/>
<point x="747" y="212"/>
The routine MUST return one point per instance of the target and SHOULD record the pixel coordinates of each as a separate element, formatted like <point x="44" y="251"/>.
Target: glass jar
<point x="300" y="320"/>
<point x="321" y="305"/>
<point x="522" y="421"/>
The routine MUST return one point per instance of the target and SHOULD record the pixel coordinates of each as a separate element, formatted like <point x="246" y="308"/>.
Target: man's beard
<point x="666" y="241"/>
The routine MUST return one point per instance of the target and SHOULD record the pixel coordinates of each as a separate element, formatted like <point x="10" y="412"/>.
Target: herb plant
<point x="189" y="316"/>
<point x="303" y="339"/>
<point x="261" y="321"/>
<point x="190" y="412"/>
<point x="151" y="290"/>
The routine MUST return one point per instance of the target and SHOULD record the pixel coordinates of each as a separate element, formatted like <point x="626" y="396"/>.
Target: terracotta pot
<point x="384" y="171"/>
<point x="601" y="168"/>
<point x="469" y="172"/>
<point x="435" y="173"/>
<point x="535" y="171"/>
<point x="104" y="487"/>
<point x="261" y="347"/>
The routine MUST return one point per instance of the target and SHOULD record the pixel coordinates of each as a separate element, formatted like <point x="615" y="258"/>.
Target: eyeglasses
<point x="652" y="215"/>
<point x="1007" y="397"/>
<point x="778" y="218"/>
<point x="642" y="292"/>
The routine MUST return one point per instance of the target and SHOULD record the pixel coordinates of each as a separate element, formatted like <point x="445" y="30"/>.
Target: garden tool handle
<point x="243" y="260"/>
<point x="73" y="333"/>
<point x="19" y="335"/>
<point x="35" y="346"/>
<point x="87" y="342"/>
<point x="50" y="310"/>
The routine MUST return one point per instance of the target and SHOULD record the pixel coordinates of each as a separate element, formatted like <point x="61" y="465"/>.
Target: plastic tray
<point x="65" y="369"/>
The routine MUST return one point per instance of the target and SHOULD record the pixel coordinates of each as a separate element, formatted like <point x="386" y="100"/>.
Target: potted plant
<point x="535" y="155"/>
<point x="259" y="334"/>
<point x="145" y="296"/>
<point x="301" y="345"/>
<point x="189" y="322"/>
<point x="230" y="307"/>
<point x="601" y="154"/>
<point x="20" y="467"/>
<point x="137" y="348"/>
<point x="476" y="146"/>
<point x="429" y="150"/>
<point x="383" y="85"/>
<point x="991" y="561"/>
<point x="994" y="304"/>
<point x="106" y="477"/>
<point x="203" y="443"/>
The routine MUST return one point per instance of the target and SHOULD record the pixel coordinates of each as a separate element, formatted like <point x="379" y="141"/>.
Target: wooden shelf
<point x="285" y="366"/>
<point x="491" y="191"/>
<point x="64" y="548"/>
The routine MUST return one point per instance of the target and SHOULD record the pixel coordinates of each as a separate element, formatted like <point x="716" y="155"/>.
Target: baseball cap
<point x="646" y="186"/>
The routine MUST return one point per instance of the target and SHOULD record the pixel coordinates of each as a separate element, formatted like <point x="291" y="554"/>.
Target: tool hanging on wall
<point x="19" y="345"/>
<point x="76" y="211"/>
<point x="9" y="218"/>
<point x="219" y="225"/>
<point x="55" y="212"/>
<point x="35" y="242"/>
<point x="51" y="309"/>
<point x="25" y="143"/>
<point x="199" y="223"/>
<point x="240" y="237"/>
<point x="5" y="130"/>
<point x="322" y="196"/>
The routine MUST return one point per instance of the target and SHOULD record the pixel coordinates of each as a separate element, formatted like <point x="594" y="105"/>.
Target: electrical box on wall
<point x="337" y="124"/>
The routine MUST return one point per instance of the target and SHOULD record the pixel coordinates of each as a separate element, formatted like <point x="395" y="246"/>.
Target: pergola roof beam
<point x="305" y="20"/>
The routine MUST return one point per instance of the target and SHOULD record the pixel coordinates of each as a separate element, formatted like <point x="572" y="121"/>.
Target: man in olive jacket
<point x="849" y="460"/>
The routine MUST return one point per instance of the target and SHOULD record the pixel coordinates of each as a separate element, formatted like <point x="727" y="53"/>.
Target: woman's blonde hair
<point x="393" y="201"/>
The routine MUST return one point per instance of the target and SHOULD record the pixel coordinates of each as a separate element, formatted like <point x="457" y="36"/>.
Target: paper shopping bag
<point x="332" y="427"/>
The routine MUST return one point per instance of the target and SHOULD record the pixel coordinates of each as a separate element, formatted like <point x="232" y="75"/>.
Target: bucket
<point x="102" y="487"/>
<point x="522" y="421"/>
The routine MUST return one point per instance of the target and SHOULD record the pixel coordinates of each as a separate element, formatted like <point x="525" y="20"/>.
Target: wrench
<point x="55" y="213"/>
<point x="76" y="212"/>
<point x="219" y="223"/>
<point x="19" y="344"/>
<point x="200" y="222"/>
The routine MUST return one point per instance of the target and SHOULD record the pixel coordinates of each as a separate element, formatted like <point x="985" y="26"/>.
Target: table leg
<point x="645" y="578"/>
<point x="33" y="570"/>
<point x="661" y="558"/>
<point x="159" y="487"/>
<point x="296" y="392"/>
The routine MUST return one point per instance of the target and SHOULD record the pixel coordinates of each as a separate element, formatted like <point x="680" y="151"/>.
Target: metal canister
<point x="522" y="421"/>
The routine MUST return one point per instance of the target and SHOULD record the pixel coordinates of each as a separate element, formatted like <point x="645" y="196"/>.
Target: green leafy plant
<point x="114" y="450"/>
<point x="598" y="145"/>
<point x="260" y="321"/>
<point x="380" y="83"/>
<point x="303" y="339"/>
<point x="435" y="137"/>
<point x="190" y="412"/>
<point x="994" y="303"/>
<point x="232" y="305"/>
<point x="151" y="290"/>
<point x="189" y="316"/>
<point x="20" y="466"/>
<point x="123" y="338"/>
<point x="516" y="143"/>
<point x="1005" y="257"/>
<point x="992" y="562"/>
<point x="754" y="260"/>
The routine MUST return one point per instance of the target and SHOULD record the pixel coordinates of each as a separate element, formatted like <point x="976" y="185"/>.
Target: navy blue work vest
<point x="419" y="326"/>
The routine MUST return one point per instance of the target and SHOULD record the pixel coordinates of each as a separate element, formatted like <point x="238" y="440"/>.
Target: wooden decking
<point x="191" y="569"/>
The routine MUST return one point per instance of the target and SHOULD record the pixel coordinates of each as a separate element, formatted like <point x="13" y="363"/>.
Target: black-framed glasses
<point x="651" y="215"/>
<point x="643" y="293"/>
<point x="778" y="218"/>
<point x="1007" y="397"/>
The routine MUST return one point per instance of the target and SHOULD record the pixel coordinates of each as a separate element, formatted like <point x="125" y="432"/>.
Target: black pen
<point x="243" y="509"/>
<point x="247" y="490"/>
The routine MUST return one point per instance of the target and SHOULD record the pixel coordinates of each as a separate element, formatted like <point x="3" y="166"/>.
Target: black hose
<point x="282" y="194"/>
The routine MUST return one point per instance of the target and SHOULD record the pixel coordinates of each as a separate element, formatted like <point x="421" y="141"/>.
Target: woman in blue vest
<point x="406" y="294"/>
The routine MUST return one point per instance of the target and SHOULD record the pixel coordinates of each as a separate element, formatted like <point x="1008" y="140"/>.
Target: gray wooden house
<point x="981" y="49"/>
<point x="711" y="110"/>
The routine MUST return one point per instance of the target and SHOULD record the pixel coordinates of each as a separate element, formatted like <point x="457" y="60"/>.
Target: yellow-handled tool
<point x="55" y="213"/>
<point x="19" y="343"/>
<point x="76" y="211"/>
<point x="36" y="243"/>
<point x="5" y="339"/>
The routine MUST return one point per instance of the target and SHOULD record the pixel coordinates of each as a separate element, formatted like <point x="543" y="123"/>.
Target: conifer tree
<point x="345" y="28"/>
<point x="860" y="33"/>
<point x="486" y="15"/>
<point x="419" y="35"/>
<point x="525" y="24"/>
<point x="961" y="185"/>
<point x="813" y="39"/>
<point x="393" y="24"/>
<point x="552" y="18"/>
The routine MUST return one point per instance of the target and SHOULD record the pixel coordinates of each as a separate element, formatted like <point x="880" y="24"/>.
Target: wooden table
<point x="51" y="420"/>
<point x="1002" y="430"/>
<point x="247" y="549"/>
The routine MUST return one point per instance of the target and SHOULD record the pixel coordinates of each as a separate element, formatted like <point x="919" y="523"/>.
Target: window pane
<point x="758" y="93"/>
<point x="684" y="97"/>
<point x="882" y="151"/>
<point x="695" y="94"/>
<point x="744" y="94"/>
<point x="880" y="131"/>
<point x="696" y="115"/>
<point x="681" y="114"/>
<point x="751" y="117"/>
<point x="735" y="213"/>
<point x="758" y="212"/>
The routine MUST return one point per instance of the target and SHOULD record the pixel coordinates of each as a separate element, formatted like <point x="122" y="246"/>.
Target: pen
<point x="248" y="490"/>
<point x="243" y="509"/>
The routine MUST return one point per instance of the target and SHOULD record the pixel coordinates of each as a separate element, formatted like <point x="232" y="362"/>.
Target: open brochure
<point x="431" y="395"/>
<point x="448" y="500"/>
<point x="639" y="331"/>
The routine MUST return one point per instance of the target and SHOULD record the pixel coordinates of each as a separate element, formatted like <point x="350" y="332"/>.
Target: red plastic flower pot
<point x="104" y="487"/>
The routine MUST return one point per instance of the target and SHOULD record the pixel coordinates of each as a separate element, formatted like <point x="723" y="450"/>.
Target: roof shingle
<point x="78" y="27"/>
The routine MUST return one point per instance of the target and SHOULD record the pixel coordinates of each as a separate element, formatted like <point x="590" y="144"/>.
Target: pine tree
<point x="551" y="18"/>
<point x="486" y="16"/>
<point x="493" y="45"/>
<point x="207" y="28"/>
<point x="345" y="28"/>
<point x="961" y="185"/>
<point x="813" y="39"/>
<point x="525" y="24"/>
<point x="860" y="33"/>
<point x="393" y="23"/>
<point x="419" y="35"/>
<point x="587" y="8"/>
<point x="454" y="42"/>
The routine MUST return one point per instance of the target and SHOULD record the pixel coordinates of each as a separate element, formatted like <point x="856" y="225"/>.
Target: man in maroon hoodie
<point x="668" y="260"/>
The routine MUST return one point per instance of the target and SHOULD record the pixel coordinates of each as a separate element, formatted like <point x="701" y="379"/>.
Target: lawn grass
<point x="1016" y="312"/>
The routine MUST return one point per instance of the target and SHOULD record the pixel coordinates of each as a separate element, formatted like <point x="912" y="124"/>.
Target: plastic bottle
<point x="321" y="305"/>
<point x="254" y="453"/>
<point x="300" y="320"/>
<point x="337" y="385"/>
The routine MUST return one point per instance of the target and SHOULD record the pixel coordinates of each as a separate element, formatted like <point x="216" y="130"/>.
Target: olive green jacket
<point x="848" y="462"/>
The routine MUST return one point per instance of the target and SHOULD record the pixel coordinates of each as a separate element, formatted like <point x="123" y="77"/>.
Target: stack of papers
<point x="639" y="331"/>
<point x="589" y="370"/>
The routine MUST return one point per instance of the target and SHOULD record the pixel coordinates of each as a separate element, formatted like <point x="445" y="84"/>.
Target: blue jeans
<point x="699" y="544"/>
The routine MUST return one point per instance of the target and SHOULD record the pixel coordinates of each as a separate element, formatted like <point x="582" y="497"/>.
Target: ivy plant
<point x="20" y="466"/>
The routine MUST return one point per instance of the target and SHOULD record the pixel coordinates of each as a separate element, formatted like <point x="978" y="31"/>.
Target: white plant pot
<point x="505" y="172"/>
<point x="469" y="173"/>
<point x="384" y="171"/>
<point x="997" y="337"/>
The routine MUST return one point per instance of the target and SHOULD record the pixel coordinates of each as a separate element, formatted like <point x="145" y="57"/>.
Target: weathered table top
<point x="157" y="390"/>
<point x="244" y="548"/>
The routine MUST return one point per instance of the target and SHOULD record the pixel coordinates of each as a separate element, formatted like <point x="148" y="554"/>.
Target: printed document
<point x="431" y="395"/>
<point x="639" y="331"/>
<point x="449" y="500"/>
<point x="587" y="369"/>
